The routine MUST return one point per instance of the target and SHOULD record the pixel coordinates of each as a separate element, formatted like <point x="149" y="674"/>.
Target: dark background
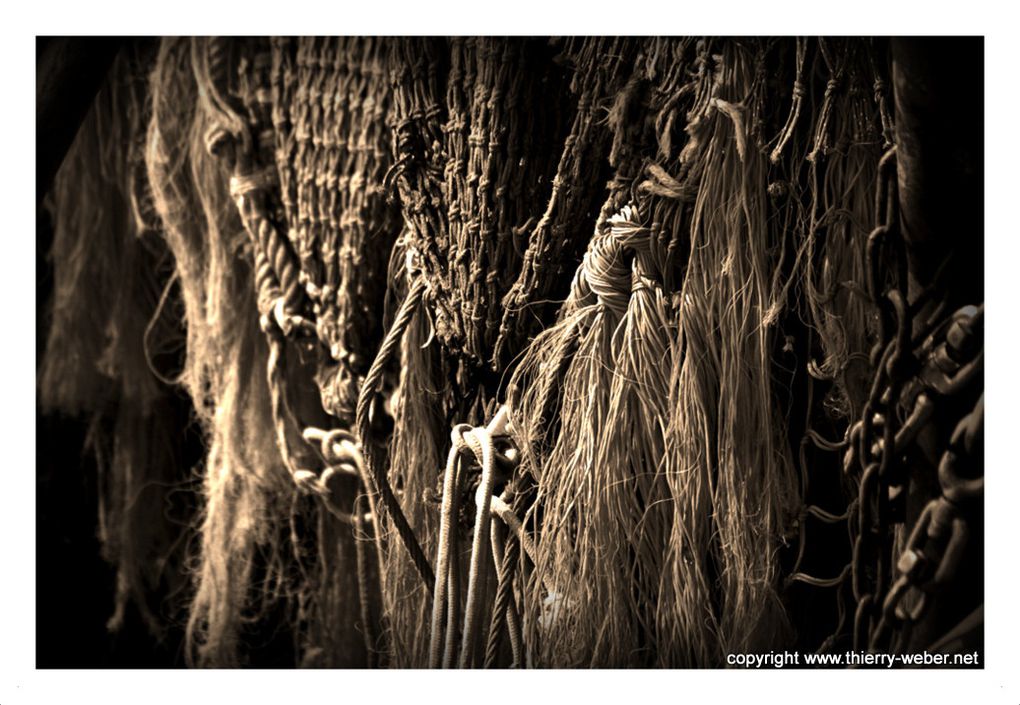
<point x="75" y="587"/>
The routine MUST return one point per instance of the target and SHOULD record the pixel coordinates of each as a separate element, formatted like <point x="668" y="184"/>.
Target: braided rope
<point x="504" y="608"/>
<point x="276" y="274"/>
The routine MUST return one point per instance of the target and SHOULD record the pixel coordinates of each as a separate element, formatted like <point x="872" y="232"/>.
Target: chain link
<point x="916" y="379"/>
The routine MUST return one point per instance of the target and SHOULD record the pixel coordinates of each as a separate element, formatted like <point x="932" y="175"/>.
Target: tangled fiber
<point x="592" y="259"/>
<point x="110" y="335"/>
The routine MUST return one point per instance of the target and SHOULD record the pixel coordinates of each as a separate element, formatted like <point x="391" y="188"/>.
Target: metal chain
<point x="912" y="379"/>
<point x="872" y="438"/>
<point x="932" y="555"/>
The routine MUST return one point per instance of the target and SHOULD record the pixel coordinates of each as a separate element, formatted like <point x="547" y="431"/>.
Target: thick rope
<point x="504" y="557"/>
<point x="482" y="445"/>
<point x="446" y="531"/>
<point x="479" y="442"/>
<point x="509" y="517"/>
<point x="377" y="471"/>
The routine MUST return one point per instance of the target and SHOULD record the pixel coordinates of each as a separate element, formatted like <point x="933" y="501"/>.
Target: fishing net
<point x="506" y="351"/>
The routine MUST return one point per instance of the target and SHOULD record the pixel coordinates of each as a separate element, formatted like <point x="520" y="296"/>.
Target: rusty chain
<point x="932" y="554"/>
<point x="920" y="366"/>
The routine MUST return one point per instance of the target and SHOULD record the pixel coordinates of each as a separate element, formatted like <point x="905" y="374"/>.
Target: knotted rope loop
<point x="478" y="441"/>
<point x="279" y="318"/>
<point x="341" y="452"/>
<point x="605" y="271"/>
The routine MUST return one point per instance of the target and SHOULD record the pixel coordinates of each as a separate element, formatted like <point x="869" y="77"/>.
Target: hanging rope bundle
<point x="663" y="485"/>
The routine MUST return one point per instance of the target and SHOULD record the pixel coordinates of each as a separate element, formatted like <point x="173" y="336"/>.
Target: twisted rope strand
<point x="481" y="442"/>
<point x="378" y="473"/>
<point x="446" y="533"/>
<point x="503" y="558"/>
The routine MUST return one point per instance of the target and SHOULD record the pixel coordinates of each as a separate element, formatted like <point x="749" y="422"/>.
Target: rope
<point x="363" y="589"/>
<point x="505" y="559"/>
<point x="276" y="272"/>
<point x="836" y="68"/>
<point x="484" y="212"/>
<point x="478" y="441"/>
<point x="481" y="441"/>
<point x="509" y="517"/>
<point x="281" y="412"/>
<point x="342" y="456"/>
<point x="798" y="98"/>
<point x="446" y="536"/>
<point x="379" y="483"/>
<point x="880" y="95"/>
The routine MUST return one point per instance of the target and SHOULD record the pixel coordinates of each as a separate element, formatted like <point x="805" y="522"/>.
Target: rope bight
<point x="519" y="352"/>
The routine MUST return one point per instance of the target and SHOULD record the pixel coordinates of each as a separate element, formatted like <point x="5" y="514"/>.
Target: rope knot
<point x="342" y="454"/>
<point x="479" y="439"/>
<point x="243" y="184"/>
<point x="280" y="318"/>
<point x="661" y="183"/>
<point x="735" y="112"/>
<point x="604" y="272"/>
<point x="778" y="189"/>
